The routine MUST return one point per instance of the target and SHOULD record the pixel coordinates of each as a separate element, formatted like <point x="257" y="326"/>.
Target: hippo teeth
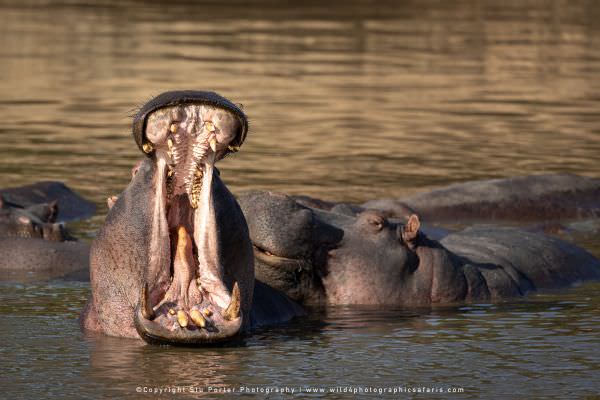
<point x="187" y="302"/>
<point x="182" y="318"/>
<point x="197" y="318"/>
<point x="196" y="188"/>
<point x="233" y="310"/>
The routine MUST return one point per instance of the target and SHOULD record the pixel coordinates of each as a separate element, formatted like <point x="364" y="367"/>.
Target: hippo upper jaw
<point x="188" y="295"/>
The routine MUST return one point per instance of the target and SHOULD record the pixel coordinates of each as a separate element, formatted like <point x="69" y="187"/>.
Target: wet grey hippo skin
<point x="321" y="257"/>
<point x="31" y="259"/>
<point x="173" y="261"/>
<point x="71" y="206"/>
<point x="34" y="247"/>
<point x="36" y="221"/>
<point x="525" y="198"/>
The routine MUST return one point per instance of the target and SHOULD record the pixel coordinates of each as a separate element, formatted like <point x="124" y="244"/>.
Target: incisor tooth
<point x="171" y="311"/>
<point x="207" y="312"/>
<point x="197" y="318"/>
<point x="170" y="144"/>
<point x="182" y="318"/>
<point x="233" y="309"/>
<point x="173" y="128"/>
<point x="209" y="126"/>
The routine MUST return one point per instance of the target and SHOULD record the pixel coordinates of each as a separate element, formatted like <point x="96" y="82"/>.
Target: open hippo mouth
<point x="187" y="296"/>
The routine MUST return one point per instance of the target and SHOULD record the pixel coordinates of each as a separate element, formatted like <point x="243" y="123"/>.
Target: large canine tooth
<point x="197" y="318"/>
<point x="147" y="311"/>
<point x="182" y="318"/>
<point x="233" y="309"/>
<point x="213" y="144"/>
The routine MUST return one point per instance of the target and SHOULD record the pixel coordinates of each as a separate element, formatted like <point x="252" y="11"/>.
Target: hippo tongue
<point x="183" y="290"/>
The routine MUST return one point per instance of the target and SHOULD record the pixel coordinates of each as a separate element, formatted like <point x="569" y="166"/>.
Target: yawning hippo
<point x="173" y="262"/>
<point x="321" y="257"/>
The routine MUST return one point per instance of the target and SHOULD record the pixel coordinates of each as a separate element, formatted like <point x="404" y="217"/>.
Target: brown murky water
<point x="347" y="101"/>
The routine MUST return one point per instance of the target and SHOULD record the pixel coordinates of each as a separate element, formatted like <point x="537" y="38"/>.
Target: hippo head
<point x="290" y="244"/>
<point x="176" y="238"/>
<point x="36" y="221"/>
<point x="320" y="257"/>
<point x="190" y="295"/>
<point x="374" y="261"/>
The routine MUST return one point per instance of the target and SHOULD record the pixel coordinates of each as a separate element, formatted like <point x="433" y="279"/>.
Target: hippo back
<point x="529" y="258"/>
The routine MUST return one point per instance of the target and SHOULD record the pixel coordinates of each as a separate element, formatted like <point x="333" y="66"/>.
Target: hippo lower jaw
<point x="184" y="297"/>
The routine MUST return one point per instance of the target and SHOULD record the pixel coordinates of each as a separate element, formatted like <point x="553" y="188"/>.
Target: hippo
<point x="34" y="221"/>
<point x="173" y="262"/>
<point x="531" y="198"/>
<point x="523" y="198"/>
<point x="69" y="205"/>
<point x="34" y="246"/>
<point x="35" y="259"/>
<point x="321" y="258"/>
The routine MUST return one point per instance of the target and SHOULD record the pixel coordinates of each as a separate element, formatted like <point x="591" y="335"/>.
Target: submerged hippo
<point x="531" y="198"/>
<point x="34" y="246"/>
<point x="69" y="205"/>
<point x="35" y="221"/>
<point x="173" y="262"/>
<point x="523" y="198"/>
<point x="321" y="257"/>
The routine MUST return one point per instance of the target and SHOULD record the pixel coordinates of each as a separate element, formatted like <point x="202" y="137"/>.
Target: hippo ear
<point x="411" y="230"/>
<point x="53" y="211"/>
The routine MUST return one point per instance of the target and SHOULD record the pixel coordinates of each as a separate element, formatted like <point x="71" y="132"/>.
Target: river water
<point x="347" y="100"/>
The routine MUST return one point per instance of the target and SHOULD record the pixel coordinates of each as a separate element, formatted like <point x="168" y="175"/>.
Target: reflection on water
<point x="542" y="346"/>
<point x="347" y="101"/>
